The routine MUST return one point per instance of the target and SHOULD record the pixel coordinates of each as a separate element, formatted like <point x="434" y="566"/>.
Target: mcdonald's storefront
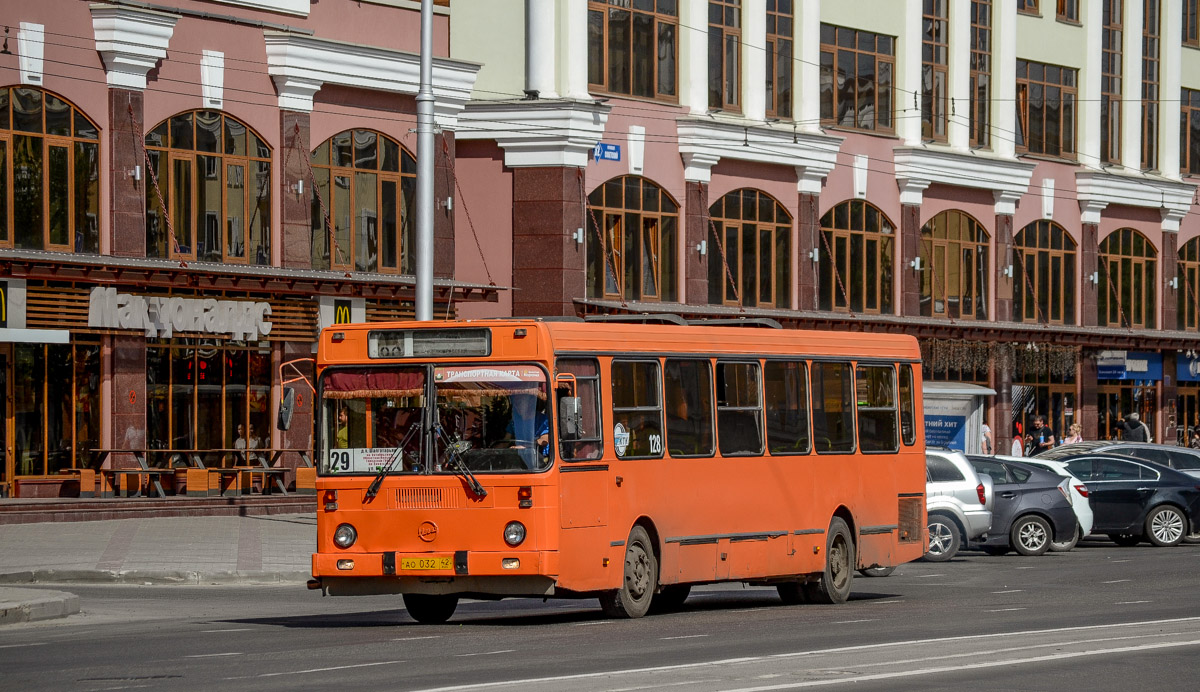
<point x="155" y="355"/>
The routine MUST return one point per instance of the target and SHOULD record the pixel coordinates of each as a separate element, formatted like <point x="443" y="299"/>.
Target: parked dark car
<point x="1135" y="500"/>
<point x="1032" y="507"/>
<point x="1183" y="459"/>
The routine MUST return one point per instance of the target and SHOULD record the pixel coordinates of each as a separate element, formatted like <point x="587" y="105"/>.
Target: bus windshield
<point x="490" y="418"/>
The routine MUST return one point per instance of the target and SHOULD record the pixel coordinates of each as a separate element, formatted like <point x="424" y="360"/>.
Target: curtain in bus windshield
<point x="493" y="417"/>
<point x="367" y="414"/>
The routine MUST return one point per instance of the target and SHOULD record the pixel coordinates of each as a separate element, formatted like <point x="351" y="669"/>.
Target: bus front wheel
<point x="834" y="584"/>
<point x="429" y="609"/>
<point x="640" y="580"/>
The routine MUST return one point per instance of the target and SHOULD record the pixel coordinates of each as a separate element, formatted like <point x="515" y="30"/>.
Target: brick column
<point x="696" y="231"/>
<point x="295" y="250"/>
<point x="548" y="265"/>
<point x="1089" y="415"/>
<point x="1004" y="259"/>
<point x="1002" y="422"/>
<point x="127" y="209"/>
<point x="910" y="248"/>
<point x="443" y="216"/>
<point x="1167" y="392"/>
<point x="1170" y="296"/>
<point x="808" y="229"/>
<point x="128" y="396"/>
<point x="1088" y="265"/>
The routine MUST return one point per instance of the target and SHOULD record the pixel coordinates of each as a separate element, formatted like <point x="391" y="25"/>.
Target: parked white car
<point x="1079" y="496"/>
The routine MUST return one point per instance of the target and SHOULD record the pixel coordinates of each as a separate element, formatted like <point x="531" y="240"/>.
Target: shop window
<point x="855" y="257"/>
<point x="633" y="50"/>
<point x="877" y="408"/>
<point x="205" y="395"/>
<point x="632" y="230"/>
<point x="1151" y="61"/>
<point x="208" y="191"/>
<point x="363" y="204"/>
<point x="55" y="406"/>
<point x="1188" y="293"/>
<point x="49" y="173"/>
<point x="1044" y="277"/>
<point x="1126" y="295"/>
<point x="750" y="251"/>
<point x="689" y="399"/>
<point x="935" y="60"/>
<point x="1045" y="109"/>
<point x="1043" y="384"/>
<point x="1111" y="80"/>
<point x="786" y="386"/>
<point x="1189" y="131"/>
<point x="981" y="73"/>
<point x="954" y="267"/>
<point x="856" y="78"/>
<point x="780" y="23"/>
<point x="724" y="54"/>
<point x="637" y="409"/>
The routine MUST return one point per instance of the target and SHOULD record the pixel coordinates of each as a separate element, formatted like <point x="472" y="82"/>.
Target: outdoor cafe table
<point x="248" y="461"/>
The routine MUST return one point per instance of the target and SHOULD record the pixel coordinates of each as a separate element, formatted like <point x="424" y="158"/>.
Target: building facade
<point x="1011" y="181"/>
<point x="189" y="190"/>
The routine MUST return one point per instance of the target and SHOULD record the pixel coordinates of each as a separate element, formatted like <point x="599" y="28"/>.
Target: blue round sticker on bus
<point x="620" y="439"/>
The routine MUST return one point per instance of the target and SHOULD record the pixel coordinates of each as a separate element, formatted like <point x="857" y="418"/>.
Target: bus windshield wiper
<point x="454" y="456"/>
<point x="373" y="489"/>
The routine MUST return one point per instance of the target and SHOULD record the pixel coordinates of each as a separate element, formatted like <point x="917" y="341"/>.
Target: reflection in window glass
<point x="590" y="444"/>
<point x="637" y="409"/>
<point x="739" y="409"/>
<point x="689" y="408"/>
<point x="786" y="385"/>
<point x="877" y="408"/>
<point x="832" y="407"/>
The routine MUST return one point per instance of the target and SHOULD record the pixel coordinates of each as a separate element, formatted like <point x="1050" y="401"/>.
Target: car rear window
<point x="1183" y="460"/>
<point x="942" y="470"/>
<point x="992" y="468"/>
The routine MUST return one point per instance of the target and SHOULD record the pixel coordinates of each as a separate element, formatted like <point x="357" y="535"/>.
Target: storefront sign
<point x="3" y="304"/>
<point x="1129" y="365"/>
<point x="1187" y="369"/>
<point x="242" y="320"/>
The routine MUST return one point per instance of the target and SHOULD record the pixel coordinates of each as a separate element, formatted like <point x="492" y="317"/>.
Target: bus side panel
<point x="588" y="561"/>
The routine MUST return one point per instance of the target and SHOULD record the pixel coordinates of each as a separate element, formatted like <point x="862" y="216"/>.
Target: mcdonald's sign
<point x="342" y="312"/>
<point x="3" y="304"/>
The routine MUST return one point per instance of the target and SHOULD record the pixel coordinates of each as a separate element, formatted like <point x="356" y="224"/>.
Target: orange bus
<point x="612" y="460"/>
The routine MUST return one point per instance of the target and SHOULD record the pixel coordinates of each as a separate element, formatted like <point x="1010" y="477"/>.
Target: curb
<point x="153" y="577"/>
<point x="31" y="605"/>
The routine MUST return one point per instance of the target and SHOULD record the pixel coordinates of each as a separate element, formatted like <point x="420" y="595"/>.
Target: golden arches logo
<point x="341" y="312"/>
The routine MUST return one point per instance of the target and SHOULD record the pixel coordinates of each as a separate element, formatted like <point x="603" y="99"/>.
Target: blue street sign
<point x="607" y="152"/>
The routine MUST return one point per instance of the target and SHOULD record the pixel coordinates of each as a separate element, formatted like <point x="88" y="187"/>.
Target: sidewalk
<point x="164" y="550"/>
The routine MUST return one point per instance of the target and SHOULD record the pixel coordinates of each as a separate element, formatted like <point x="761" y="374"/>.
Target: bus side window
<point x="739" y="409"/>
<point x="876" y="396"/>
<point x="689" y="408"/>
<point x="590" y="443"/>
<point x="637" y="409"/>
<point x="908" y="431"/>
<point x="786" y="384"/>
<point x="833" y="407"/>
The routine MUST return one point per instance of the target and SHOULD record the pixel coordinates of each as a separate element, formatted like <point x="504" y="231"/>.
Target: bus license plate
<point x="423" y="563"/>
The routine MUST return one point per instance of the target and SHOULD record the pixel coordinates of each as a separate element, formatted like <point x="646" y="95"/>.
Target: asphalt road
<point x="1098" y="618"/>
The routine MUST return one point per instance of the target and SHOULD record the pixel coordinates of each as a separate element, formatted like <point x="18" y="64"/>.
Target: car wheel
<point x="995" y="550"/>
<point x="671" y="598"/>
<point x="834" y="584"/>
<point x="943" y="539"/>
<point x="877" y="571"/>
<point x="1125" y="540"/>
<point x="1064" y="546"/>
<point x="430" y="609"/>
<point x="1030" y="535"/>
<point x="632" y="600"/>
<point x="1165" y="526"/>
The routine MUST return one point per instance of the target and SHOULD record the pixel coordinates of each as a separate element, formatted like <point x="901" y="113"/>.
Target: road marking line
<point x="748" y="610"/>
<point x="487" y="653"/>
<point x="1009" y="650"/>
<point x="1003" y="610"/>
<point x="1009" y="591"/>
<point x="1131" y="602"/>
<point x="1116" y="581"/>
<point x="411" y="639"/>
<point x="813" y="653"/>
<point x="18" y="646"/>
<point x="597" y="622"/>
<point x="231" y="653"/>
<point x="686" y="636"/>
<point x="317" y="670"/>
<point x="929" y="576"/>
<point x="887" y="602"/>
<point x="1025" y="568"/>
<point x="1126" y="560"/>
<point x="240" y="629"/>
<point x="851" y="622"/>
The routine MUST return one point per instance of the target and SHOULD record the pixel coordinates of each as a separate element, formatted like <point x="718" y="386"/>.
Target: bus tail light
<point x="514" y="533"/>
<point x="338" y="337"/>
<point x="525" y="497"/>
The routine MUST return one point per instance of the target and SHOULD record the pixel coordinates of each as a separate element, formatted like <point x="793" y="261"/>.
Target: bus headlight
<point x="514" y="533"/>
<point x="344" y="536"/>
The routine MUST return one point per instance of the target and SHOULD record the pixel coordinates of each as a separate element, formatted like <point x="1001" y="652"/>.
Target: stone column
<point x="128" y="396"/>
<point x="1167" y="392"/>
<point x="1088" y="265"/>
<point x="696" y="231"/>
<point x="1004" y="276"/>
<point x="1002" y="421"/>
<point x="548" y="264"/>
<point x="1170" y="271"/>
<point x="127" y="208"/>
<point x="443" y="217"/>
<point x="540" y="59"/>
<point x="808" y="229"/>
<point x="1089" y="415"/>
<point x="295" y="237"/>
<point x="910" y="249"/>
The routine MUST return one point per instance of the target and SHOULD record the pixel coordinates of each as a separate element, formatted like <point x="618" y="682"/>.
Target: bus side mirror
<point x="570" y="418"/>
<point x="287" y="404"/>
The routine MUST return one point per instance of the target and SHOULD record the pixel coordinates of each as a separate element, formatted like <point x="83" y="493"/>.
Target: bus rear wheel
<point x="640" y="581"/>
<point x="834" y="584"/>
<point x="430" y="609"/>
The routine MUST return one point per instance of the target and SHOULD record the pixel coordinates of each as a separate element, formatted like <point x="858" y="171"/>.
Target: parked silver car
<point x="958" y="502"/>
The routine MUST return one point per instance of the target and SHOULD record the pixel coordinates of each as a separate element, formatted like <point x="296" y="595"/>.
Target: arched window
<point x="1044" y="274"/>
<point x="212" y="179"/>
<point x="370" y="202"/>
<point x="856" y="259"/>
<point x="954" y="267"/>
<point x="49" y="173"/>
<point x="1126" y="295"/>
<point x="633" y="257"/>
<point x="756" y="234"/>
<point x="1188" y="306"/>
